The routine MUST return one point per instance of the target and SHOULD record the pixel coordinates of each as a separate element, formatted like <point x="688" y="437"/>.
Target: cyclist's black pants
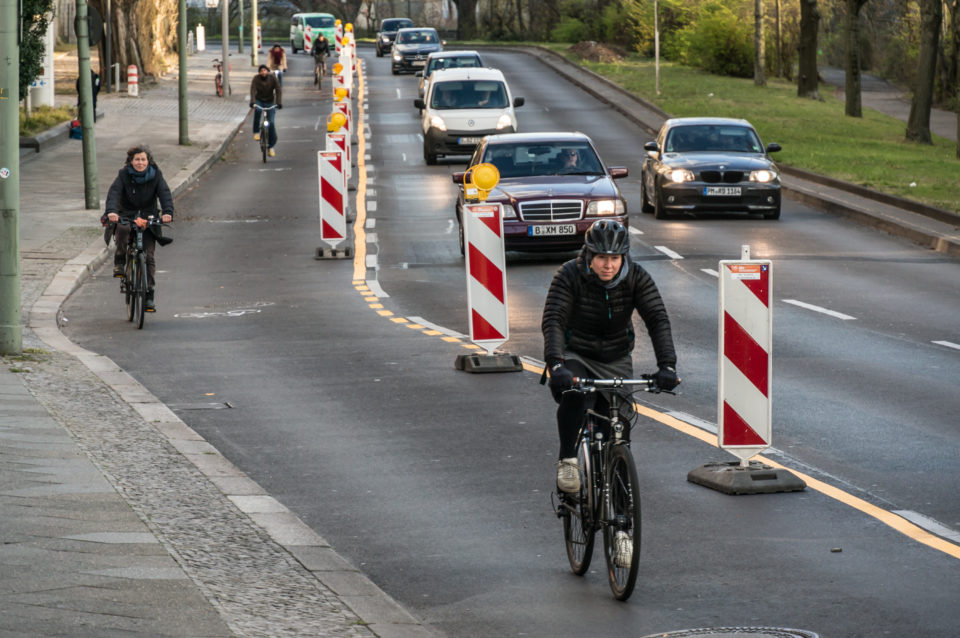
<point x="572" y="407"/>
<point x="123" y="237"/>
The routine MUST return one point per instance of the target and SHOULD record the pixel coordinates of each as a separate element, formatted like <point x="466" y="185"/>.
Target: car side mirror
<point x="458" y="177"/>
<point x="518" y="101"/>
<point x="773" y="148"/>
<point x="418" y="74"/>
<point x="419" y="103"/>
<point x="616" y="172"/>
<point x="652" y="149"/>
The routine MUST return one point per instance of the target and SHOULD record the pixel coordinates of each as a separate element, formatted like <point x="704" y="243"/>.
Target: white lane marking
<point x="404" y="265"/>
<point x="948" y="344"/>
<point x="375" y="288"/>
<point x="669" y="253"/>
<point x="371" y="238"/>
<point x="372" y="261"/>
<point x="929" y="524"/>
<point x="371" y="193"/>
<point x="272" y="170"/>
<point x="635" y="231"/>
<point x="441" y="329"/>
<point x="366" y="157"/>
<point x="232" y="221"/>
<point x="320" y="120"/>
<point x="697" y="422"/>
<point x="371" y="223"/>
<point x="449" y="230"/>
<point x="420" y="137"/>
<point x="826" y="311"/>
<point x="711" y="272"/>
<point x="371" y="205"/>
<point x="398" y="95"/>
<point x="404" y="158"/>
<point x="370" y="168"/>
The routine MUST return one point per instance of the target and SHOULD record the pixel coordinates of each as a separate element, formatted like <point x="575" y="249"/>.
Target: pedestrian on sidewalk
<point x="95" y="84"/>
<point x="133" y="196"/>
<point x="265" y="92"/>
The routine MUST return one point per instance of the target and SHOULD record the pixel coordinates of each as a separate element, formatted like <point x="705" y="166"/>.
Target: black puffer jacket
<point x="131" y="200"/>
<point x="594" y="319"/>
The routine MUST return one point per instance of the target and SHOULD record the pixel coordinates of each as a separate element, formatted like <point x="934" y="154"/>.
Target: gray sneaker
<point x="622" y="549"/>
<point x="568" y="476"/>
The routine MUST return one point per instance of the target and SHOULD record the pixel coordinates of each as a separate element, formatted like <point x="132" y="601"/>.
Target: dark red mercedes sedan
<point x="552" y="187"/>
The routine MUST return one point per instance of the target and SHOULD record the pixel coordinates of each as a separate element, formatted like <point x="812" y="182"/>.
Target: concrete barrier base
<point x="756" y="478"/>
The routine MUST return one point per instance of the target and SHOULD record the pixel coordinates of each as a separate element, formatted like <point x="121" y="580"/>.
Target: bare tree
<point x="954" y="7"/>
<point x="759" y="55"/>
<point x="918" y="123"/>
<point x="807" y="77"/>
<point x="143" y="33"/>
<point x="467" y="23"/>
<point x="852" y="85"/>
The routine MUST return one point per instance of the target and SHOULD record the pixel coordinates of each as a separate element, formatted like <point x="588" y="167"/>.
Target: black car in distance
<point x="388" y="33"/>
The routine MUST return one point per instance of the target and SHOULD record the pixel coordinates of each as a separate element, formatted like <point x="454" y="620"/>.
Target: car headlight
<point x="504" y="122"/>
<point x="396" y="56"/>
<point x="509" y="212"/>
<point x="384" y="38"/>
<point x="437" y="122"/>
<point x="681" y="175"/>
<point x="602" y="207"/>
<point x="763" y="176"/>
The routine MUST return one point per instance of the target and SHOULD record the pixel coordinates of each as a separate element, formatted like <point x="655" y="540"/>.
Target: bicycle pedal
<point x="149" y="309"/>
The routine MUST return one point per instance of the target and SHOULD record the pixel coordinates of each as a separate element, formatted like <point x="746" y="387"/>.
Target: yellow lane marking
<point x="414" y="326"/>
<point x="399" y="320"/>
<point x="376" y="305"/>
<point x="384" y="313"/>
<point x="452" y="339"/>
<point x="371" y="298"/>
<point x="359" y="224"/>
<point x="432" y="333"/>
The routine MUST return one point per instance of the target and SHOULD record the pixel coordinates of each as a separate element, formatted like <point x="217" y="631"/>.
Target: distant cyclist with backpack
<point x="321" y="49"/>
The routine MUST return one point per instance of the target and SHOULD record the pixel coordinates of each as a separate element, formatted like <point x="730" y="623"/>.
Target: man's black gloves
<point x="561" y="378"/>
<point x="666" y="378"/>
<point x="279" y="106"/>
<point x="251" y="104"/>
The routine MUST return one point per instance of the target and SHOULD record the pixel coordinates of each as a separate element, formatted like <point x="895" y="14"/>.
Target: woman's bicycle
<point x="609" y="496"/>
<point x="218" y="80"/>
<point x="264" y="128"/>
<point x="134" y="284"/>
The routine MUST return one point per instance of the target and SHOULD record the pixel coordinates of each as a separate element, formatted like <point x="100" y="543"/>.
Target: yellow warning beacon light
<point x="337" y="68"/>
<point x="479" y="181"/>
<point x="348" y="27"/>
<point x="339" y="93"/>
<point x="336" y="121"/>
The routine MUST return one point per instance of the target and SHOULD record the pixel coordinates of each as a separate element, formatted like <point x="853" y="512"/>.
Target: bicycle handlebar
<point x="265" y="108"/>
<point x="648" y="380"/>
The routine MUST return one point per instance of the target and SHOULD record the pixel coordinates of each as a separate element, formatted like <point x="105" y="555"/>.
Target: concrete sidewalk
<point x="115" y="517"/>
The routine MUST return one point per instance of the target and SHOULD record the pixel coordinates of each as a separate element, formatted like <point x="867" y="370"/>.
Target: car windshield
<point x="543" y="158"/>
<point x="394" y="25"/>
<point x="457" y="62"/>
<point x="321" y="22"/>
<point x="469" y="94"/>
<point x="418" y="37"/>
<point x="712" y="138"/>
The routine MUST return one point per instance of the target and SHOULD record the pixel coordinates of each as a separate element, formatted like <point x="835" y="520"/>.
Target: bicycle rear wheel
<point x="578" y="523"/>
<point x="621" y="530"/>
<point x="130" y="286"/>
<point x="141" y="294"/>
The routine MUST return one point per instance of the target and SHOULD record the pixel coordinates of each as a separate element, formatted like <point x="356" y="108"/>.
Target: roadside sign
<point x="744" y="402"/>
<point x="333" y="197"/>
<point x="486" y="275"/>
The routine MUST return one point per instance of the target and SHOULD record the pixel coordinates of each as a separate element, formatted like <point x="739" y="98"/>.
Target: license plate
<point x="468" y="140"/>
<point x="721" y="191"/>
<point x="551" y="231"/>
<point x="419" y="63"/>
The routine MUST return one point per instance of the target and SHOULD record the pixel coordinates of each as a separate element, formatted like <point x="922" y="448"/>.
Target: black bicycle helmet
<point x="607" y="237"/>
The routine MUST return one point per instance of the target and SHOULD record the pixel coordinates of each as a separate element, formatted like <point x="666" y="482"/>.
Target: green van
<point x="319" y="22"/>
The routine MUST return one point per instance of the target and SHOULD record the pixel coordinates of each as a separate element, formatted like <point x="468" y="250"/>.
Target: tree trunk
<point x="955" y="21"/>
<point x="779" y="41"/>
<point x="466" y="19"/>
<point x="852" y="86"/>
<point x="807" y="77"/>
<point x="143" y="33"/>
<point x="759" y="55"/>
<point x="918" y="124"/>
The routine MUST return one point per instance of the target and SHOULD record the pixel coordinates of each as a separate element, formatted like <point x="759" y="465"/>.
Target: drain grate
<point x="737" y="632"/>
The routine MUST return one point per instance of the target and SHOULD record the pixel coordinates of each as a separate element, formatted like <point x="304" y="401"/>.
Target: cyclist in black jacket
<point x="588" y="329"/>
<point x="133" y="195"/>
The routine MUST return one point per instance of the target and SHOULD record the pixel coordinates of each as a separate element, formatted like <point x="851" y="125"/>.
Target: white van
<point x="323" y="23"/>
<point x="463" y="105"/>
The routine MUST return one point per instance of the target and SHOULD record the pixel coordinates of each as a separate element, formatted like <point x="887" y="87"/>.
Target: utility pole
<point x="106" y="65"/>
<point x="225" y="44"/>
<point x="11" y="333"/>
<point x="182" y="47"/>
<point x="240" y="41"/>
<point x="91" y="191"/>
<point x="255" y="31"/>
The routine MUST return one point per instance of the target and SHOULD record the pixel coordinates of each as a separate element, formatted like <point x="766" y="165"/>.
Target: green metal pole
<point x="91" y="191"/>
<point x="11" y="333"/>
<point x="240" y="41"/>
<point x="182" y="37"/>
<point x="254" y="22"/>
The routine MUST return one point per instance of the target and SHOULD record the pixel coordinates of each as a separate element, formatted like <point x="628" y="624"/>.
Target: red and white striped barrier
<point x="337" y="37"/>
<point x="486" y="275"/>
<point x="341" y="142"/>
<point x="333" y="197"/>
<point x="133" y="81"/>
<point x="343" y="106"/>
<point x="308" y="39"/>
<point x="746" y="356"/>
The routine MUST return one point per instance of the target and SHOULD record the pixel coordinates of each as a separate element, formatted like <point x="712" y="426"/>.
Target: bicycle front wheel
<point x="621" y="530"/>
<point x="264" y="137"/>
<point x="130" y="286"/>
<point x="141" y="295"/>
<point x="578" y="520"/>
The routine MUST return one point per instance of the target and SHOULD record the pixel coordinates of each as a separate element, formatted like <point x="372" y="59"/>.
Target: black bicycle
<point x="609" y="496"/>
<point x="134" y="284"/>
<point x="264" y="128"/>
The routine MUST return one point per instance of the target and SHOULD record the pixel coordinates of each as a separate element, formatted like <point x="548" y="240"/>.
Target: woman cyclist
<point x="133" y="196"/>
<point x="588" y="330"/>
<point x="277" y="61"/>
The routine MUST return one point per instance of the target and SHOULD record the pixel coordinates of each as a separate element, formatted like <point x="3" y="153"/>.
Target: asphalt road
<point x="437" y="483"/>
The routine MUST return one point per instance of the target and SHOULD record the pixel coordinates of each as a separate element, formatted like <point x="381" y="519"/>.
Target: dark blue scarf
<point x="141" y="177"/>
